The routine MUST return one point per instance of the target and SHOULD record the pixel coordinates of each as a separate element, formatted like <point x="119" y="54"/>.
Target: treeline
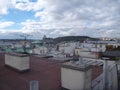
<point x="73" y="38"/>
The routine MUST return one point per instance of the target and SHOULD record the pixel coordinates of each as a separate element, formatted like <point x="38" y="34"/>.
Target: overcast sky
<point x="53" y="18"/>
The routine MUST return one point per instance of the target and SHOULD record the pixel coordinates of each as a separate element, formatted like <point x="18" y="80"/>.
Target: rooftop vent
<point x="34" y="85"/>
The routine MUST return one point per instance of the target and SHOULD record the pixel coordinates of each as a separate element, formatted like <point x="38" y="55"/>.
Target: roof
<point x="37" y="41"/>
<point x="47" y="72"/>
<point x="111" y="53"/>
<point x="76" y="66"/>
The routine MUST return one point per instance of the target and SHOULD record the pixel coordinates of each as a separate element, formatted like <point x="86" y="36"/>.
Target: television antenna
<point x="25" y="36"/>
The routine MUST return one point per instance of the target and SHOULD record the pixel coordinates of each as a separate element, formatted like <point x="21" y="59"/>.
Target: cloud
<point x="27" y="5"/>
<point x="4" y="5"/>
<point x="69" y="17"/>
<point x="24" y="5"/>
<point x="74" y="16"/>
<point x="5" y="24"/>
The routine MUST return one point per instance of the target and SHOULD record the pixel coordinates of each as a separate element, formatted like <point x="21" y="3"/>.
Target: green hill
<point x="73" y="38"/>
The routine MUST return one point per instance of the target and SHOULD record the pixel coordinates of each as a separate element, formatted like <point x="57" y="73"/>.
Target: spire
<point x="44" y="37"/>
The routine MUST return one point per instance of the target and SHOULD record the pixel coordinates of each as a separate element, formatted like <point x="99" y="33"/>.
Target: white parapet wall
<point x="19" y="62"/>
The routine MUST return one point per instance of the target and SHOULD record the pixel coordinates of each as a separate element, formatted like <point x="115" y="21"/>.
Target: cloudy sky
<point x="95" y="18"/>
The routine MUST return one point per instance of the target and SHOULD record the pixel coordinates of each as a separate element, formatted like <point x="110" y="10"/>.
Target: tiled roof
<point x="47" y="72"/>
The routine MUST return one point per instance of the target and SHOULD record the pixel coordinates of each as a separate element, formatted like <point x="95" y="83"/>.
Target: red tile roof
<point x="47" y="72"/>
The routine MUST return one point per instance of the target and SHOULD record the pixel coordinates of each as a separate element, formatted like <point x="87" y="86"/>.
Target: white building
<point x="89" y="50"/>
<point x="40" y="50"/>
<point x="68" y="48"/>
<point x="92" y="49"/>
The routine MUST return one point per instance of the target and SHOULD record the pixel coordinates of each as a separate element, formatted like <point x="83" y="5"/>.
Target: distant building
<point x="68" y="48"/>
<point x="48" y="42"/>
<point x="112" y="54"/>
<point x="42" y="50"/>
<point x="89" y="50"/>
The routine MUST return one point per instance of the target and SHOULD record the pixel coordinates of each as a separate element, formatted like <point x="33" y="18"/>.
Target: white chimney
<point x="17" y="61"/>
<point x="76" y="76"/>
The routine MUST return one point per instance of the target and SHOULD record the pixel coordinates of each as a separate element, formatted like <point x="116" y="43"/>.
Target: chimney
<point x="76" y="76"/>
<point x="17" y="61"/>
